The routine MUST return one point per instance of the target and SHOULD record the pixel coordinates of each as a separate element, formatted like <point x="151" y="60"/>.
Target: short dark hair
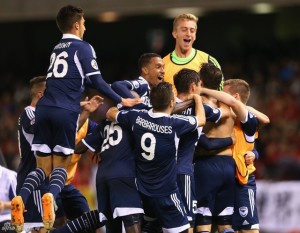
<point x="144" y="60"/>
<point x="211" y="76"/>
<point x="161" y="96"/>
<point x="184" y="78"/>
<point x="36" y="84"/>
<point x="67" y="16"/>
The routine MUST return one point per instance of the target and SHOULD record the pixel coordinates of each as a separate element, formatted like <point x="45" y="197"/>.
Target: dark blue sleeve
<point x="94" y="139"/>
<point x="92" y="126"/>
<point x="212" y="114"/>
<point x="214" y="143"/>
<point x="250" y="126"/>
<point x="98" y="83"/>
<point x="123" y="88"/>
<point x="256" y="153"/>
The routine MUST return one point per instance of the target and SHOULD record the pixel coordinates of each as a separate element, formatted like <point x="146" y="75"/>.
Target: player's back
<point x="157" y="137"/>
<point x="71" y="60"/>
<point x="117" y="152"/>
<point x="222" y="129"/>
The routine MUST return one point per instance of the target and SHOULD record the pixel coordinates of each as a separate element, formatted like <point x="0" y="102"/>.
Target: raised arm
<point x="237" y="106"/>
<point x="199" y="110"/>
<point x="123" y="88"/>
<point x="262" y="118"/>
<point x="112" y="113"/>
<point x="104" y="88"/>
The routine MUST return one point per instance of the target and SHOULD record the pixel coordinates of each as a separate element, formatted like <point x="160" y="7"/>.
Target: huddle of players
<point x="166" y="164"/>
<point x="146" y="167"/>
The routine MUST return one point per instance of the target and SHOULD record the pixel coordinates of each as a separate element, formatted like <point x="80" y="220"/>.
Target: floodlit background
<point x="253" y="40"/>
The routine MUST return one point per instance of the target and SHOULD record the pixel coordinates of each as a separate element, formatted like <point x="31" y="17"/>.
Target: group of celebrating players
<point x="177" y="158"/>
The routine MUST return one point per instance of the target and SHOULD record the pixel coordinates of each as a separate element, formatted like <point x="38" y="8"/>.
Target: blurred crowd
<point x="275" y="90"/>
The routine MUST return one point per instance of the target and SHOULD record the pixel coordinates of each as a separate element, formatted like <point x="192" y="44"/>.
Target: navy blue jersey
<point x="189" y="141"/>
<point x="25" y="137"/>
<point x="156" y="142"/>
<point x="139" y="85"/>
<point x="116" y="151"/>
<point x="212" y="114"/>
<point x="71" y="61"/>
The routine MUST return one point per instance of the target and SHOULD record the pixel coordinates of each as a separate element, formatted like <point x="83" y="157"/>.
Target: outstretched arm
<point x="262" y="118"/>
<point x="199" y="110"/>
<point x="237" y="106"/>
<point x="112" y="113"/>
<point x="123" y="88"/>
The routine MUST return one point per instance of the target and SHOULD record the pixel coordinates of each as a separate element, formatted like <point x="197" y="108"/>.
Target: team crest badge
<point x="243" y="211"/>
<point x="136" y="84"/>
<point x="94" y="64"/>
<point x="192" y="120"/>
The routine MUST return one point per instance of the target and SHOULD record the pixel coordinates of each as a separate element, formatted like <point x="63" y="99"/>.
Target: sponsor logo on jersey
<point x="243" y="211"/>
<point x="245" y="222"/>
<point x="94" y="64"/>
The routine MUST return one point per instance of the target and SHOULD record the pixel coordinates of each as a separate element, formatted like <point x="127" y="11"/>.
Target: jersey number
<point x="58" y="61"/>
<point x="149" y="149"/>
<point x="113" y="136"/>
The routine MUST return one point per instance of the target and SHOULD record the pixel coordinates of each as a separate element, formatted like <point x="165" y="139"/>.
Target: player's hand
<point x="131" y="102"/>
<point x="84" y="102"/>
<point x="249" y="157"/>
<point x="92" y="104"/>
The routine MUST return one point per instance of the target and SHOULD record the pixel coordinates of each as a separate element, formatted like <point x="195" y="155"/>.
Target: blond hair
<point x="239" y="86"/>
<point x="186" y="16"/>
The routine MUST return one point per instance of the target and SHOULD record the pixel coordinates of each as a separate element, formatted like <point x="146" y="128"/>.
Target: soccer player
<point x="216" y="197"/>
<point x="245" y="218"/>
<point x="184" y="55"/>
<point x="151" y="68"/>
<point x="188" y="82"/>
<point x="117" y="196"/>
<point x="156" y="135"/>
<point x="27" y="165"/>
<point x="71" y="63"/>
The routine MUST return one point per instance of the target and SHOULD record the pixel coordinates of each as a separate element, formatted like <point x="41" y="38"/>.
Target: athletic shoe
<point x="17" y="210"/>
<point x="49" y="207"/>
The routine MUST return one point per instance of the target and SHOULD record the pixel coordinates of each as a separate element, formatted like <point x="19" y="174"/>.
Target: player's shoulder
<point x="167" y="57"/>
<point x="29" y="112"/>
<point x="198" y="51"/>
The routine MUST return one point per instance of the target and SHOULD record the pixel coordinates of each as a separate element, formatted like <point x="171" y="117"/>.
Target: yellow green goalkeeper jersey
<point x="173" y="64"/>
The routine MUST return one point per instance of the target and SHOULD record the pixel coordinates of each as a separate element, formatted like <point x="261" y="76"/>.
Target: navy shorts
<point x="73" y="203"/>
<point x="55" y="131"/>
<point x="214" y="184"/>
<point x="168" y="210"/>
<point x="186" y="186"/>
<point x="118" y="197"/>
<point x="245" y="215"/>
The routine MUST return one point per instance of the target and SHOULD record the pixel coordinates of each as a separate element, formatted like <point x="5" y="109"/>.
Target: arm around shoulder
<point x="112" y="113"/>
<point x="199" y="110"/>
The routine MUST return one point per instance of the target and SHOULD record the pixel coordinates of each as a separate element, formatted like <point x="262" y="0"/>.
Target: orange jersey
<point x="239" y="150"/>
<point x="172" y="68"/>
<point x="71" y="169"/>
